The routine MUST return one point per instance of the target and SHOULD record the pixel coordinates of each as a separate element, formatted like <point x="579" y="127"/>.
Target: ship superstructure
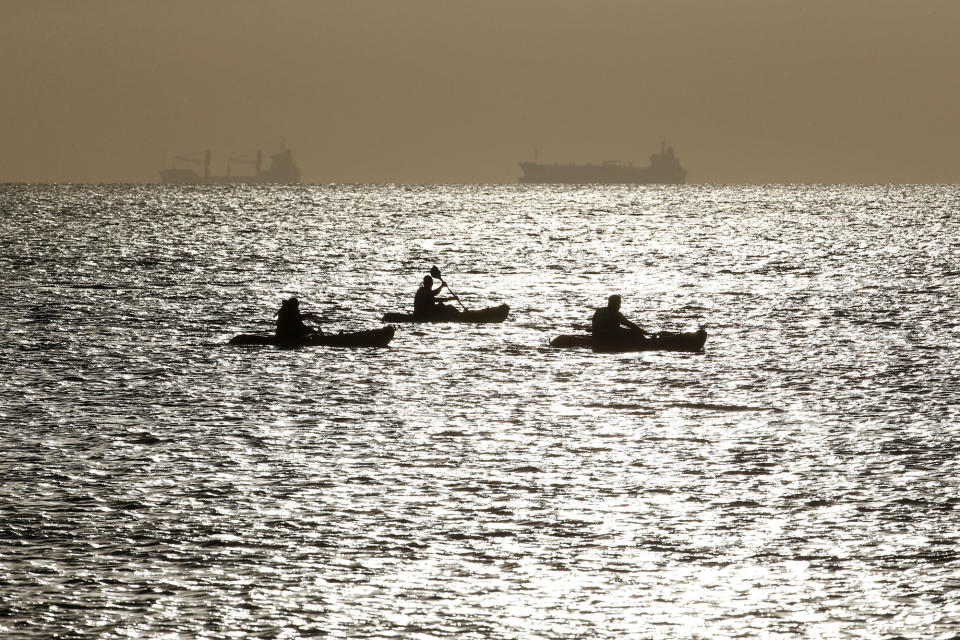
<point x="283" y="170"/>
<point x="664" y="169"/>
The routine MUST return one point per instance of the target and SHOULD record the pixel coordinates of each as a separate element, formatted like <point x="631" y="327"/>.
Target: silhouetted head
<point x="613" y="302"/>
<point x="427" y="281"/>
<point x="287" y="305"/>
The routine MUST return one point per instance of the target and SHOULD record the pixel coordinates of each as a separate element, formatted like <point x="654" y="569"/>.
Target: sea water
<point x="799" y="478"/>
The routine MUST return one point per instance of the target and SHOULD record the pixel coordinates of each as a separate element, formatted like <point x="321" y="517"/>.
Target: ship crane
<point x="245" y="160"/>
<point x="204" y="160"/>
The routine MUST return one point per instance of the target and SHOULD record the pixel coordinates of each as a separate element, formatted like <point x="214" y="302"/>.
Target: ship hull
<point x="173" y="176"/>
<point x="664" y="169"/>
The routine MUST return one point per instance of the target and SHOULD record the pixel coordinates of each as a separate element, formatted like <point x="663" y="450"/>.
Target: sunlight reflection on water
<point x="797" y="479"/>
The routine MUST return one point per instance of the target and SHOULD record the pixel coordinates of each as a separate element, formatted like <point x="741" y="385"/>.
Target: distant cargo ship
<point x="664" y="169"/>
<point x="283" y="170"/>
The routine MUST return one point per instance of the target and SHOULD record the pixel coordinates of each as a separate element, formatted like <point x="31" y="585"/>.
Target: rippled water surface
<point x="797" y="479"/>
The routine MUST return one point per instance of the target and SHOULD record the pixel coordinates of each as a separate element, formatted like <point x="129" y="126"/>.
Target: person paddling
<point x="290" y="321"/>
<point x="426" y="302"/>
<point x="608" y="320"/>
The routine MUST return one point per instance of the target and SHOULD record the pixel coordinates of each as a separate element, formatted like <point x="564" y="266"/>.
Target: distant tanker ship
<point x="283" y="170"/>
<point x="664" y="169"/>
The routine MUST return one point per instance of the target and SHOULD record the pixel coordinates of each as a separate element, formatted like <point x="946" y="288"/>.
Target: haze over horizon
<point x="448" y="91"/>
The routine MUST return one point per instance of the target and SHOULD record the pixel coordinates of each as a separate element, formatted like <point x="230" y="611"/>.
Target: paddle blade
<point x="435" y="272"/>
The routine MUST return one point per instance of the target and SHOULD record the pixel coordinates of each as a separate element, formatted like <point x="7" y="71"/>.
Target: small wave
<point x="741" y="503"/>
<point x="146" y="438"/>
<point x="675" y="439"/>
<point x="88" y="286"/>
<point x="450" y="433"/>
<point x="720" y="407"/>
<point x="128" y="505"/>
<point x="758" y="470"/>
<point x="463" y="536"/>
<point x="615" y="405"/>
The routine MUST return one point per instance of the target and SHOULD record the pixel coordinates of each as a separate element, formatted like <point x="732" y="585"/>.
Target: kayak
<point x="369" y="338"/>
<point x="490" y="314"/>
<point x="663" y="341"/>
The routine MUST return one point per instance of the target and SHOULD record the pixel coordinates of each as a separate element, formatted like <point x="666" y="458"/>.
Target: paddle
<point x="435" y="272"/>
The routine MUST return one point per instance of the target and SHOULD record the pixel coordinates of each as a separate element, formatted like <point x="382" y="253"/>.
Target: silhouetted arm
<point x="629" y="324"/>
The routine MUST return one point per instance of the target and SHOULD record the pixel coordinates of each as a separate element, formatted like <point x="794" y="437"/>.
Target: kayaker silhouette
<point x="607" y="322"/>
<point x="427" y="307"/>
<point x="426" y="302"/>
<point x="290" y="321"/>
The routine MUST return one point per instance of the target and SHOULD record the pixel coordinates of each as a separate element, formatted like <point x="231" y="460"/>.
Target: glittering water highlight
<point x="797" y="479"/>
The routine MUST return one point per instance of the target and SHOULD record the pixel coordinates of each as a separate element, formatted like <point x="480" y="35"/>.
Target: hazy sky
<point x="460" y="91"/>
